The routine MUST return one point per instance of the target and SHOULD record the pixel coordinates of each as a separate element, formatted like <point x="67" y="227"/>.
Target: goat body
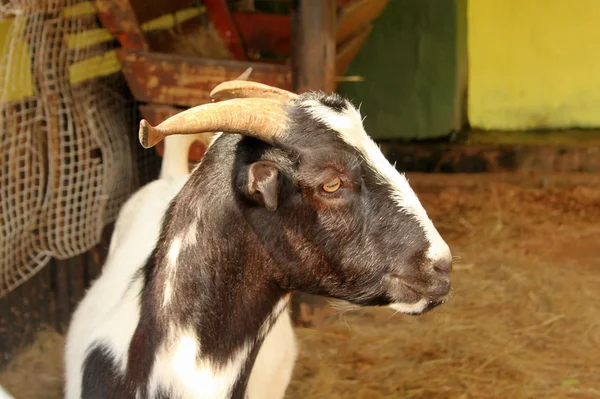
<point x="105" y="320"/>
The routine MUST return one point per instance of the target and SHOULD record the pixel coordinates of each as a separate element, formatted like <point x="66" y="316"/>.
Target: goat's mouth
<point x="418" y="308"/>
<point x="410" y="300"/>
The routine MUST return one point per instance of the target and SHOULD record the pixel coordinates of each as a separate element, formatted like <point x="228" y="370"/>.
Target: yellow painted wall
<point x="534" y="63"/>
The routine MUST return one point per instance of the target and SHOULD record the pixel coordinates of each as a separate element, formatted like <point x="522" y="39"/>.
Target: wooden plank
<point x="221" y="18"/>
<point x="356" y="14"/>
<point x="264" y="33"/>
<point x="313" y="45"/>
<point x="187" y="81"/>
<point x="349" y="49"/>
<point x="119" y="18"/>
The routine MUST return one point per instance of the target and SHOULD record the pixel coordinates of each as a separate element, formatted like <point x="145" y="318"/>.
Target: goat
<point x="140" y="218"/>
<point x="293" y="195"/>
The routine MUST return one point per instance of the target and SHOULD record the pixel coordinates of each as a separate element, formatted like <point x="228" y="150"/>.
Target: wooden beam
<point x="313" y="68"/>
<point x="357" y="14"/>
<point x="119" y="18"/>
<point x="187" y="81"/>
<point x="313" y="45"/>
<point x="349" y="49"/>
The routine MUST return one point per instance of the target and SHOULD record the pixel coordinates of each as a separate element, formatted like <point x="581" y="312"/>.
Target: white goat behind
<point x="109" y="313"/>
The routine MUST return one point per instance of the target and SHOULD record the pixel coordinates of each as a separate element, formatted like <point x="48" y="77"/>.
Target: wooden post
<point x="313" y="68"/>
<point x="313" y="45"/>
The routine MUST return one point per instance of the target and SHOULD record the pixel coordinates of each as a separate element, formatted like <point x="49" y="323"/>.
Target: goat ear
<point x="263" y="185"/>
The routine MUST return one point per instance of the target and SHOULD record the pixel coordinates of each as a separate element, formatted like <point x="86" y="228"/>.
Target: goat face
<point x="336" y="216"/>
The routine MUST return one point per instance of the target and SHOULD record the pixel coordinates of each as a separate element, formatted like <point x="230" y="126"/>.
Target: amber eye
<point x="333" y="185"/>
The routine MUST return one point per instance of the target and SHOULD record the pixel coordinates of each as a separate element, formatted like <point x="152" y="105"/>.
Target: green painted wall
<point x="414" y="66"/>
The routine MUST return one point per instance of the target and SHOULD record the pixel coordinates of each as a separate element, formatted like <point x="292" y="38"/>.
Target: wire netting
<point x="68" y="156"/>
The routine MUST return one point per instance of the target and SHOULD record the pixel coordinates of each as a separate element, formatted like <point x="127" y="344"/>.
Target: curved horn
<point x="245" y="75"/>
<point x="246" y="89"/>
<point x="262" y="118"/>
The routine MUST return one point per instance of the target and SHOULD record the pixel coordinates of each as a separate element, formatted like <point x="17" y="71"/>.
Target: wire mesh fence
<point x="68" y="156"/>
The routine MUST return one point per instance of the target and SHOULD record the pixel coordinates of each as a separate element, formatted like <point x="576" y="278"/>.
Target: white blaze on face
<point x="348" y="124"/>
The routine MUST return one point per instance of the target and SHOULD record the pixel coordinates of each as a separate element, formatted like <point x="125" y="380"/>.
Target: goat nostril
<point x="443" y="266"/>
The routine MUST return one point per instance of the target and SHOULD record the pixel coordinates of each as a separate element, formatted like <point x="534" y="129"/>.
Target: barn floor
<point x="523" y="322"/>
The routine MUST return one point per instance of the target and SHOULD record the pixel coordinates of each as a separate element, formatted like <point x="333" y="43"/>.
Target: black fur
<point x="101" y="380"/>
<point x="344" y="245"/>
<point x="333" y="101"/>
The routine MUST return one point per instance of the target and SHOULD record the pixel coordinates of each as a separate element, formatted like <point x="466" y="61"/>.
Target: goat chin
<point x="134" y="236"/>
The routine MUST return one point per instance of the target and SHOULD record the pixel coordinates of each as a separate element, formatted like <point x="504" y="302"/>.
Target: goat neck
<point x="209" y="295"/>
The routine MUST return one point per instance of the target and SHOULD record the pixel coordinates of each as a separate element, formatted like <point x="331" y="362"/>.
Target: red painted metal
<point x="266" y="33"/>
<point x="221" y="18"/>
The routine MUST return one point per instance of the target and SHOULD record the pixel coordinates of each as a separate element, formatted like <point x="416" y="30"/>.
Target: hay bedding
<point x="524" y="320"/>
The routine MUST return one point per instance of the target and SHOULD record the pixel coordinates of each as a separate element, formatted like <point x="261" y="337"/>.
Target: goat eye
<point x="333" y="185"/>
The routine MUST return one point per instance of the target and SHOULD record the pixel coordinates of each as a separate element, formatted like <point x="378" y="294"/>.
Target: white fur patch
<point x="178" y="369"/>
<point x="410" y="308"/>
<point x="275" y="361"/>
<point x="349" y="124"/>
<point x="171" y="269"/>
<point x="190" y="236"/>
<point x="277" y="309"/>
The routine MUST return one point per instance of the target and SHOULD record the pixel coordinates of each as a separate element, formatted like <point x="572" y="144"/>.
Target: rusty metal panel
<point x="186" y="81"/>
